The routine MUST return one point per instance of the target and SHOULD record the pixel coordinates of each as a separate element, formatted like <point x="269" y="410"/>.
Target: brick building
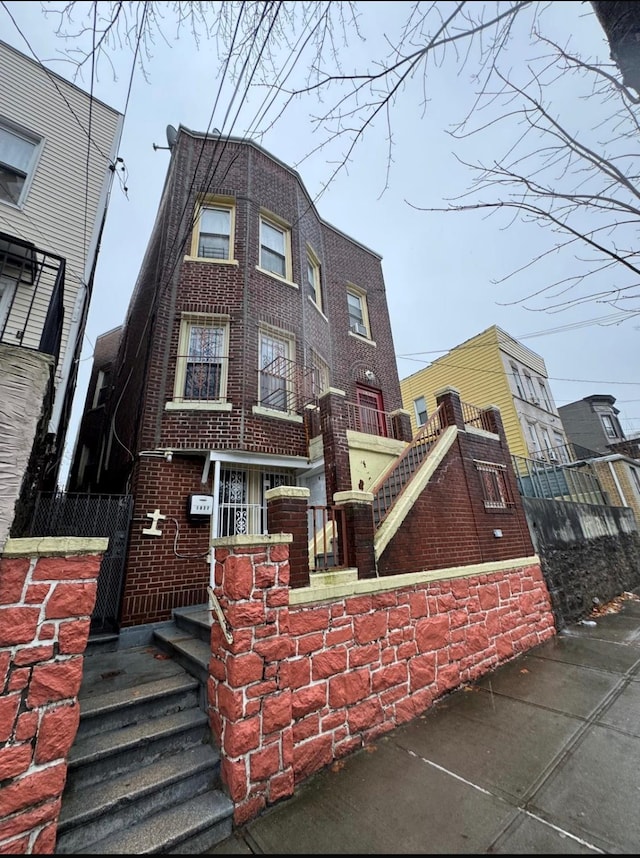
<point x="255" y="390"/>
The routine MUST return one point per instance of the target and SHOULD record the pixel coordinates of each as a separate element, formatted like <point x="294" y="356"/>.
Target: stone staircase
<point x="144" y="771"/>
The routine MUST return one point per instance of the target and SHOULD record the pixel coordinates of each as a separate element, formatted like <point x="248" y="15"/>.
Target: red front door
<point x="370" y="406"/>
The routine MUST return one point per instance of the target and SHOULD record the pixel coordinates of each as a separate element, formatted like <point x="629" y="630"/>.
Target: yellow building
<point x="493" y="368"/>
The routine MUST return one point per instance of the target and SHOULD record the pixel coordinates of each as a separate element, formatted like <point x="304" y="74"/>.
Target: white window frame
<point x="609" y="426"/>
<point x="27" y="170"/>
<point x="560" y="447"/>
<point x="103" y="381"/>
<point x="418" y="411"/>
<point x="358" y="322"/>
<point x="544" y="393"/>
<point x="533" y="436"/>
<point x="266" y="355"/>
<point x="321" y="375"/>
<point x="189" y="321"/>
<point x="313" y="280"/>
<point x="530" y="387"/>
<point x="214" y="203"/>
<point x="518" y="381"/>
<point x="275" y="223"/>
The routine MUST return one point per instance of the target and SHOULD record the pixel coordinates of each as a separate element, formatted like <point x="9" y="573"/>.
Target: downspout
<point x="617" y="482"/>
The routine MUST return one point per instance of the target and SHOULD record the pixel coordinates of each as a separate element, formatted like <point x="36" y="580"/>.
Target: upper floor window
<point x="18" y="155"/>
<point x="321" y="375"/>
<point x="531" y="391"/>
<point x="560" y="447"/>
<point x="518" y="380"/>
<point x="201" y="369"/>
<point x="358" y="314"/>
<point x="275" y="388"/>
<point x="275" y="247"/>
<point x="214" y="229"/>
<point x="103" y="382"/>
<point x="534" y="443"/>
<point x="544" y="395"/>
<point x="313" y="279"/>
<point x="420" y="408"/>
<point x="609" y="425"/>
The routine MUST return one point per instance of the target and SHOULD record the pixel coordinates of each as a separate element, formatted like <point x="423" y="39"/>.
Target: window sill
<point x="187" y="405"/>
<point x="209" y="260"/>
<point x="362" y="339"/>
<point x="279" y="415"/>
<point x="313" y="304"/>
<point x="277" y="277"/>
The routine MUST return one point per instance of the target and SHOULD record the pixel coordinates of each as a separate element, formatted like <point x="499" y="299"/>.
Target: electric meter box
<point x="199" y="508"/>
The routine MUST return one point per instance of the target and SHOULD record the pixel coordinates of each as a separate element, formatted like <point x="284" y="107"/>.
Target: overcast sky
<point x="441" y="269"/>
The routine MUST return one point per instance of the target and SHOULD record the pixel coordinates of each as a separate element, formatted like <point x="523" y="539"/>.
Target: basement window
<point x="495" y="488"/>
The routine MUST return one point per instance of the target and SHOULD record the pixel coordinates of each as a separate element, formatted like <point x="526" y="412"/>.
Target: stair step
<point x="122" y="707"/>
<point x="113" y="752"/>
<point x="191" y="653"/>
<point x="196" y="620"/>
<point x="190" y="828"/>
<point x="120" y="802"/>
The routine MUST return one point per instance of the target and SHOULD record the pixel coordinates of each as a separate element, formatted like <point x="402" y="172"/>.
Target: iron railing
<point x="478" y="418"/>
<point x="363" y="418"/>
<point x="391" y="485"/>
<point x="576" y="482"/>
<point x="286" y="386"/>
<point x="327" y="537"/>
<point x="32" y="300"/>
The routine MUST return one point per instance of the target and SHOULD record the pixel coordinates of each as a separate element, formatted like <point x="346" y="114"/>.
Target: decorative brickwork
<point x="46" y="600"/>
<point x="301" y="686"/>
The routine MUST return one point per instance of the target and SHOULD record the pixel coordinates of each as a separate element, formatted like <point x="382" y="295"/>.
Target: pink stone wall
<point x="302" y="686"/>
<point x="45" y="612"/>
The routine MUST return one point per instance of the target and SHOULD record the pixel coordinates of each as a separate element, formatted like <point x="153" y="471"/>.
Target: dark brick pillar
<point x="494" y="423"/>
<point x="333" y="420"/>
<point x="360" y="531"/>
<point x="452" y="407"/>
<point x="287" y="513"/>
<point x="401" y="422"/>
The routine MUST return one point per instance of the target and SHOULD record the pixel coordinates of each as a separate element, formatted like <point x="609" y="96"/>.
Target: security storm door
<point x="371" y="411"/>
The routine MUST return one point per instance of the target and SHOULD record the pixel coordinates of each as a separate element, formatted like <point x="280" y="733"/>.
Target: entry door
<point x="371" y="411"/>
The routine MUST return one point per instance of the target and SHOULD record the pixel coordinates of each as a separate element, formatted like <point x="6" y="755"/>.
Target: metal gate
<point x="62" y="514"/>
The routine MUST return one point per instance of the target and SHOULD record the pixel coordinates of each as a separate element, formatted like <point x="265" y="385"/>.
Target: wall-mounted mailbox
<point x="199" y="508"/>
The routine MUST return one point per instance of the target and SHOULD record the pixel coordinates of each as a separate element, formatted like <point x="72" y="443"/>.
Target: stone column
<point x="249" y="693"/>
<point x="360" y="531"/>
<point x="333" y="420"/>
<point x="287" y="512"/>
<point x="47" y="594"/>
<point x="452" y="406"/>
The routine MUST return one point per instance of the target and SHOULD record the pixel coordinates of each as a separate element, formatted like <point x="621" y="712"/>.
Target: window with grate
<point x="495" y="488"/>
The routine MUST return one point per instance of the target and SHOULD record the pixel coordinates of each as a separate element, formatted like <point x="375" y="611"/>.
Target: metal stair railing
<point x="386" y="492"/>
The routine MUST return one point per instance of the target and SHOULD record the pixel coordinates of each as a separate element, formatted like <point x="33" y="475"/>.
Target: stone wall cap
<point x="55" y="546"/>
<point x="252" y="539"/>
<point x="287" y="492"/>
<point x="353" y="497"/>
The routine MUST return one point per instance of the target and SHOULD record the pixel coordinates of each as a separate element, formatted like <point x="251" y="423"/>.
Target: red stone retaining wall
<point x="45" y="612"/>
<point x="303" y="685"/>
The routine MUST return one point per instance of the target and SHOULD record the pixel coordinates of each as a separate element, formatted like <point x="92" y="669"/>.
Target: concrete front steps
<point x="144" y="772"/>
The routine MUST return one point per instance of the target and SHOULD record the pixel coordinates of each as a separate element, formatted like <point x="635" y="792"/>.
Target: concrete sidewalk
<point x="541" y="756"/>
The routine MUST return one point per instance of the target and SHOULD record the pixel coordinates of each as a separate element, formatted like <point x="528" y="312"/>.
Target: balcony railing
<point x="362" y="418"/>
<point x="286" y="386"/>
<point x="32" y="284"/>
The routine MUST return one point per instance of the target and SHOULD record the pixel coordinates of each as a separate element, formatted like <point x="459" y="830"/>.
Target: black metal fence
<point x="62" y="514"/>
